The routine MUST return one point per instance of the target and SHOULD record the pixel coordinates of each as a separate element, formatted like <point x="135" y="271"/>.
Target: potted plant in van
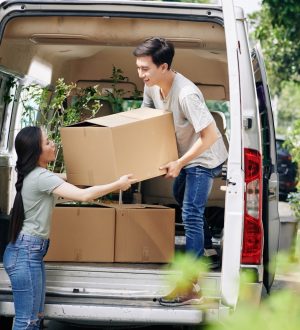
<point x="67" y="103"/>
<point x="59" y="106"/>
<point x="119" y="93"/>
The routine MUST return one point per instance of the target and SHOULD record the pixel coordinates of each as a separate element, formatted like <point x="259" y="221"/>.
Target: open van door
<point x="270" y="214"/>
<point x="234" y="202"/>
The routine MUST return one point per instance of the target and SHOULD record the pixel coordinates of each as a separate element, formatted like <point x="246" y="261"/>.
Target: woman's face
<point x="48" y="150"/>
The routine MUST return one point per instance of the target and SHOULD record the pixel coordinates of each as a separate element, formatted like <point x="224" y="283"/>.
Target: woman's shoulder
<point x="47" y="180"/>
<point x="40" y="172"/>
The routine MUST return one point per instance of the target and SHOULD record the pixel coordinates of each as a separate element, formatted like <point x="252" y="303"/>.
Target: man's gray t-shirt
<point x="190" y="116"/>
<point x="38" y="201"/>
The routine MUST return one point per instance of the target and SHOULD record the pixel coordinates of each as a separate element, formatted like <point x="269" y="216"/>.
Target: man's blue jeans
<point x="191" y="190"/>
<point x="23" y="262"/>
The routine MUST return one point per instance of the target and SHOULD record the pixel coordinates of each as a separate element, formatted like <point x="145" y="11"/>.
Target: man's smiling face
<point x="149" y="72"/>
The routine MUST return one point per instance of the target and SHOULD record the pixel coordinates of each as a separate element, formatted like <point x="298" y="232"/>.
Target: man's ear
<point x="164" y="67"/>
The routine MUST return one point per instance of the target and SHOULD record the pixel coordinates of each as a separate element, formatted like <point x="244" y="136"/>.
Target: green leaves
<point x="10" y="84"/>
<point x="277" y="26"/>
<point x="280" y="310"/>
<point x="184" y="269"/>
<point x="63" y="106"/>
<point x="116" y="96"/>
<point x="293" y="144"/>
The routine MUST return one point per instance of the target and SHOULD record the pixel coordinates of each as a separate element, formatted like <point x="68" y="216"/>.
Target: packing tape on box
<point x="120" y="197"/>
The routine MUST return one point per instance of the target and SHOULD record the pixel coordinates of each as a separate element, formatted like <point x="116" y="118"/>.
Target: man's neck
<point x="166" y="84"/>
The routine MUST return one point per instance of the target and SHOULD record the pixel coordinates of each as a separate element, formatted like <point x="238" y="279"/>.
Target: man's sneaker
<point x="212" y="258"/>
<point x="192" y="296"/>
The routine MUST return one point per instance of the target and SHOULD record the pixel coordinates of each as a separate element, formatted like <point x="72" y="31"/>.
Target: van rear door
<point x="270" y="214"/>
<point x="234" y="202"/>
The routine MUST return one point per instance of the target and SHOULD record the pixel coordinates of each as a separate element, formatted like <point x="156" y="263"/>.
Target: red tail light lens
<point x="253" y="229"/>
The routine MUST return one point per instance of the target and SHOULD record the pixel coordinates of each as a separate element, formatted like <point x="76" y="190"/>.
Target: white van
<point x="42" y="41"/>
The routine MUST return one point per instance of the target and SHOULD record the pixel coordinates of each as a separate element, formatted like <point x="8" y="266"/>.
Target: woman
<point x="30" y="221"/>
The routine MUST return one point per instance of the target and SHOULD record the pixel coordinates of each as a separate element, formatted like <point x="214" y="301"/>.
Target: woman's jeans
<point x="23" y="262"/>
<point x="191" y="190"/>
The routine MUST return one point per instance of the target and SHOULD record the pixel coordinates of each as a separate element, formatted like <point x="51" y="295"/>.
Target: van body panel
<point x="270" y="175"/>
<point x="234" y="192"/>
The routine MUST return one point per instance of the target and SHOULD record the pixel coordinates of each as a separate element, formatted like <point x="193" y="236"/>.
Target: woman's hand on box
<point x="126" y="181"/>
<point x="69" y="191"/>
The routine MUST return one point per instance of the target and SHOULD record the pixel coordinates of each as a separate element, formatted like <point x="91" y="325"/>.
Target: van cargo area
<point x="82" y="43"/>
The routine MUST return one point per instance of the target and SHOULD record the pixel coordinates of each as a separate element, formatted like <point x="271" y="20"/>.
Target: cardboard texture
<point x="100" y="150"/>
<point x="82" y="234"/>
<point x="144" y="233"/>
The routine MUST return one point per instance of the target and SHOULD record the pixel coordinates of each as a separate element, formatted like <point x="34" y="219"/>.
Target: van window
<point x="8" y="97"/>
<point x="263" y="112"/>
<point x="30" y="96"/>
<point x="221" y="106"/>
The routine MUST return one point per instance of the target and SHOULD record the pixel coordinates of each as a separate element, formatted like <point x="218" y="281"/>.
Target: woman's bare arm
<point x="69" y="191"/>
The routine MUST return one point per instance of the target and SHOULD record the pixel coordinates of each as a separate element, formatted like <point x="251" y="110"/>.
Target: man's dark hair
<point x="28" y="147"/>
<point x="161" y="50"/>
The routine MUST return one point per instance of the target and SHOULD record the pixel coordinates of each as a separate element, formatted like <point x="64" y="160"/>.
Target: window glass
<point x="221" y="106"/>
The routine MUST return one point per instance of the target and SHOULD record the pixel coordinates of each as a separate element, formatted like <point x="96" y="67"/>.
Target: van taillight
<point x="253" y="229"/>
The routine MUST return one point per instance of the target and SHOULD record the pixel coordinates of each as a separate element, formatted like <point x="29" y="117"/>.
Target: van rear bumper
<point x="104" y="312"/>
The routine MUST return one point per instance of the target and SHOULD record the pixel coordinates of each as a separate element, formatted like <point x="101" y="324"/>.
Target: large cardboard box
<point x="82" y="234"/>
<point x="102" y="149"/>
<point x="144" y="233"/>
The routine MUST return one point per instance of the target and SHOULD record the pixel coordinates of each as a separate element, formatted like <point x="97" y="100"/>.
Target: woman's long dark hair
<point x="28" y="148"/>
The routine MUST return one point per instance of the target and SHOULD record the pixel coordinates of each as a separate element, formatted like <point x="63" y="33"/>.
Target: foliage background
<point x="277" y="27"/>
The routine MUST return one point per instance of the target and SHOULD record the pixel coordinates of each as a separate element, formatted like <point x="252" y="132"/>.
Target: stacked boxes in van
<point x="82" y="234"/>
<point x="112" y="233"/>
<point x="99" y="151"/>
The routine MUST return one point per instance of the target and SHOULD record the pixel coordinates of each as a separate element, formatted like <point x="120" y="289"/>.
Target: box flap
<point x="127" y="117"/>
<point x="144" y="113"/>
<point x="82" y="124"/>
<point x="112" y="120"/>
<point x="62" y="202"/>
<point x="135" y="206"/>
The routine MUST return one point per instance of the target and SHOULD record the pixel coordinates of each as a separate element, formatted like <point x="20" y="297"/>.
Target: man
<point x="200" y="144"/>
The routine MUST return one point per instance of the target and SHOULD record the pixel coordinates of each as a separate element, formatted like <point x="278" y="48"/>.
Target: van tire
<point x="264" y="293"/>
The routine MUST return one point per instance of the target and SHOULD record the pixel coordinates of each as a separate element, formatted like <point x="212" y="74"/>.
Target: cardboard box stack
<point x="116" y="233"/>
<point x="99" y="151"/>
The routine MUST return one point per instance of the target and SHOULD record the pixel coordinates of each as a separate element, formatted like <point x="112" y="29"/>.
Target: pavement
<point x="288" y="263"/>
<point x="288" y="274"/>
